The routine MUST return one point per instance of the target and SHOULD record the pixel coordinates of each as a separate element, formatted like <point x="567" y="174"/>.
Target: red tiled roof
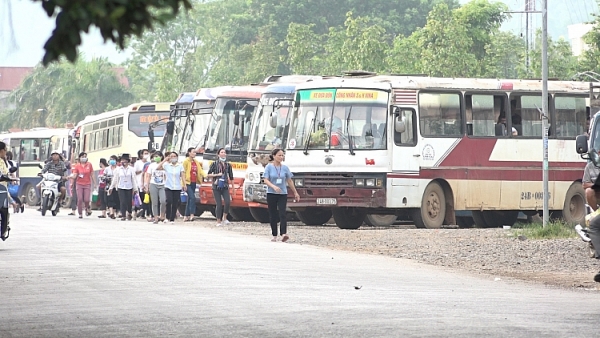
<point x="11" y="77"/>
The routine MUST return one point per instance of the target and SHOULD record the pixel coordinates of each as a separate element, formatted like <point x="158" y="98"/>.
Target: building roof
<point x="11" y="77"/>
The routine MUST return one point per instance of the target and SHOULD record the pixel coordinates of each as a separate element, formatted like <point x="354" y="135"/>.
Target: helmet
<point x="55" y="152"/>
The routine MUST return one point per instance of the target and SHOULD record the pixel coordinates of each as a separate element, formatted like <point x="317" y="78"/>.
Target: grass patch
<point x="554" y="230"/>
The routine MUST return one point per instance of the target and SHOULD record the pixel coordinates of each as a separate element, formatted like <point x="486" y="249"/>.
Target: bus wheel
<point x="260" y="215"/>
<point x="380" y="220"/>
<point x="498" y="218"/>
<point x="348" y="218"/>
<point x="241" y="214"/>
<point x="478" y="219"/>
<point x="314" y="216"/>
<point x="574" y="208"/>
<point x="433" y="208"/>
<point x="31" y="197"/>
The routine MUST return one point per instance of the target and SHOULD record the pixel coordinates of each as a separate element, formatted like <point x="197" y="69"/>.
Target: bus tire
<point x="241" y="214"/>
<point x="574" y="207"/>
<point x="380" y="220"/>
<point x="348" y="218"/>
<point x="478" y="219"/>
<point x="31" y="197"/>
<point x="498" y="218"/>
<point x="260" y="215"/>
<point x="433" y="208"/>
<point x="314" y="216"/>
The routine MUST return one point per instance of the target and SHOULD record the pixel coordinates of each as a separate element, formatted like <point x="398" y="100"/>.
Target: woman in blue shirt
<point x="277" y="177"/>
<point x="174" y="183"/>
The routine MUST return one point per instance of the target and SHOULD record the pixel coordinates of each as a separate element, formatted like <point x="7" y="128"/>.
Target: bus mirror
<point x="399" y="124"/>
<point x="581" y="144"/>
<point x="151" y="135"/>
<point x="595" y="157"/>
<point x="273" y="120"/>
<point x="170" y="127"/>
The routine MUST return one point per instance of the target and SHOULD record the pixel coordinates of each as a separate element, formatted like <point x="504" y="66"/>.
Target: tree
<point x="561" y="62"/>
<point x="116" y="20"/>
<point x="505" y="56"/>
<point x="304" y="49"/>
<point x="64" y="92"/>
<point x="446" y="46"/>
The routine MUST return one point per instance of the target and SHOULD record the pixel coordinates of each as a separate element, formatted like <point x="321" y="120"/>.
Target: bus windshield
<point x="264" y="136"/>
<point x="193" y="133"/>
<point x="339" y="119"/>
<point x="230" y="124"/>
<point x="139" y="121"/>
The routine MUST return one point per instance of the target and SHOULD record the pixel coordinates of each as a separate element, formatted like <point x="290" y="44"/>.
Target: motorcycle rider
<point x="57" y="166"/>
<point x="4" y="170"/>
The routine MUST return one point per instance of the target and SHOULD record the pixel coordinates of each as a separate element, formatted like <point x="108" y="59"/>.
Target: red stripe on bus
<point x="495" y="174"/>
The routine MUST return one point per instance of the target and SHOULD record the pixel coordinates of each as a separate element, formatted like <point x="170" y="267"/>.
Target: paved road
<point x="64" y="277"/>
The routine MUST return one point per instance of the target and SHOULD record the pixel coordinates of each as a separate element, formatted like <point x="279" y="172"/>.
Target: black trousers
<point x="102" y="197"/>
<point x="173" y="201"/>
<point x="126" y="199"/>
<point x="277" y="212"/>
<point x="146" y="208"/>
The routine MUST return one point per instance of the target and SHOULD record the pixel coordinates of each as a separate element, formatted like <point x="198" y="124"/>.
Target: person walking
<point x="174" y="184"/>
<point x="125" y="182"/>
<point x="278" y="177"/>
<point x="222" y="174"/>
<point x="112" y="199"/>
<point x="139" y="166"/>
<point x="102" y="188"/>
<point x="193" y="176"/>
<point x="154" y="184"/>
<point x="82" y="173"/>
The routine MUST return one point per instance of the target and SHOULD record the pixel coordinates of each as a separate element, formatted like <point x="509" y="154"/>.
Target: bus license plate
<point x="327" y="201"/>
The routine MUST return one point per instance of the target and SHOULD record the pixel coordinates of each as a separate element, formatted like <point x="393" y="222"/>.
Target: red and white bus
<point x="435" y="148"/>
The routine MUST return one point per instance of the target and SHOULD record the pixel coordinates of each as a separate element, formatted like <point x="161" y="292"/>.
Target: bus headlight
<point x="299" y="182"/>
<point x="370" y="182"/>
<point x="359" y="182"/>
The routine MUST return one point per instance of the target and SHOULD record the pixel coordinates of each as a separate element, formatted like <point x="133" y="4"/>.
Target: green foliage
<point x="65" y="92"/>
<point x="116" y="19"/>
<point x="505" y="55"/>
<point x="562" y="64"/>
<point x="553" y="230"/>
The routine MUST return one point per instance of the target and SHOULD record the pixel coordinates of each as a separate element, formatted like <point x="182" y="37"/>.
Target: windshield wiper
<point x="307" y="141"/>
<point x="350" y="140"/>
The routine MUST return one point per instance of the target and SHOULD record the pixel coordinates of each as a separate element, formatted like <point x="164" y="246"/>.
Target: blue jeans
<point x="190" y="208"/>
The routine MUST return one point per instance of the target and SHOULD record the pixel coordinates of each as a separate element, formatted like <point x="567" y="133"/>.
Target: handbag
<point x="147" y="199"/>
<point x="137" y="202"/>
<point x="13" y="190"/>
<point x="222" y="182"/>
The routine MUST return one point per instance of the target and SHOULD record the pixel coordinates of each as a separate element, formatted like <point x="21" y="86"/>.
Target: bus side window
<point x="404" y="127"/>
<point x="439" y="114"/>
<point x="525" y="115"/>
<point x="571" y="115"/>
<point x="485" y="115"/>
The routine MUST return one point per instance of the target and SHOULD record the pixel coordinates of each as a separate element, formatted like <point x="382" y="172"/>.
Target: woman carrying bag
<point x="82" y="173"/>
<point x="154" y="184"/>
<point x="193" y="176"/>
<point x="174" y="184"/>
<point x="125" y="182"/>
<point x="222" y="174"/>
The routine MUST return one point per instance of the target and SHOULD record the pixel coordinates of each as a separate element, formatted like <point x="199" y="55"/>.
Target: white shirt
<point x="139" y="166"/>
<point x="124" y="178"/>
<point x="157" y="177"/>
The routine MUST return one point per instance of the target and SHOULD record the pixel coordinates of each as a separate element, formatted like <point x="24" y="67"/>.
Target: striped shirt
<point x="58" y="168"/>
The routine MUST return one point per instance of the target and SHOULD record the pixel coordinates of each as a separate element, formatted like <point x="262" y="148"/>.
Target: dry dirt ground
<point x="496" y="253"/>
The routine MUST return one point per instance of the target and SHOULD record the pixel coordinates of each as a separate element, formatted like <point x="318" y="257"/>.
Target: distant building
<point x="11" y="78"/>
<point x="576" y="34"/>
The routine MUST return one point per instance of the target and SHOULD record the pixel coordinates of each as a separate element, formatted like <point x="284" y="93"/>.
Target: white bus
<point x="431" y="147"/>
<point x="32" y="148"/>
<point x="120" y="131"/>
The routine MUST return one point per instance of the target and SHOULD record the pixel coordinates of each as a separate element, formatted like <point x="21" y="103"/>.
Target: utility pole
<point x="545" y="107"/>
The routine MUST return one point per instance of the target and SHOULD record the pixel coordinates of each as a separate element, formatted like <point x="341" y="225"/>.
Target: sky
<point x="32" y="27"/>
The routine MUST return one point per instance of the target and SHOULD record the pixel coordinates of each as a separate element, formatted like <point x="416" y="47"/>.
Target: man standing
<point x="592" y="189"/>
<point x="143" y="159"/>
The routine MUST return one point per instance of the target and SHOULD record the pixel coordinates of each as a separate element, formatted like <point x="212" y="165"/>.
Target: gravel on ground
<point x="494" y="253"/>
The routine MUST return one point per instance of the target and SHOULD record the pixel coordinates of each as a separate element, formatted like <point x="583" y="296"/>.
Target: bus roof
<point x="185" y="98"/>
<point x="242" y="92"/>
<point x="159" y="106"/>
<point x="421" y="82"/>
<point x="207" y="94"/>
<point x="38" y="133"/>
<point x="281" y="88"/>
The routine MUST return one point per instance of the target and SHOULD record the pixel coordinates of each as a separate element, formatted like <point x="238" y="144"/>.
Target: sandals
<point x="88" y="213"/>
<point x="7" y="234"/>
<point x="71" y="214"/>
<point x="112" y="216"/>
<point x="101" y="216"/>
<point x="285" y="238"/>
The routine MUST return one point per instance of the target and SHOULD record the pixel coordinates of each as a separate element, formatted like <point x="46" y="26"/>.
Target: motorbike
<point x="50" y="193"/>
<point x="4" y="205"/>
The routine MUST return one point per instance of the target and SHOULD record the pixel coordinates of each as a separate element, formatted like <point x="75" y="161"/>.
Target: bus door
<point x="405" y="153"/>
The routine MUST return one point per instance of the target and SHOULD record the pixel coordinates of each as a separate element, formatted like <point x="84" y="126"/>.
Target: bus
<point x="30" y="150"/>
<point x="269" y="131"/>
<point x="432" y="148"/>
<point x="120" y="131"/>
